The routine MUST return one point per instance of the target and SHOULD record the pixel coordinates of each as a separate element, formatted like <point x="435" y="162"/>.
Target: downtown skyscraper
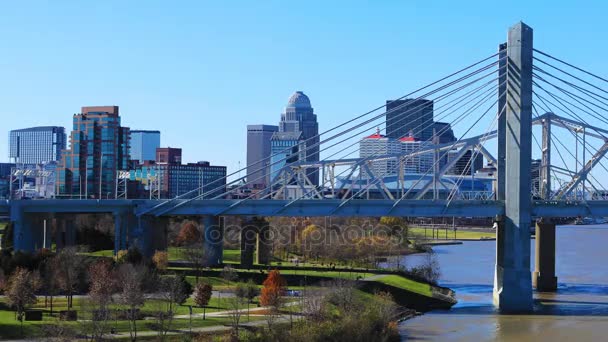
<point x="36" y="145"/>
<point x="258" y="154"/>
<point x="99" y="147"/>
<point x="299" y="117"/>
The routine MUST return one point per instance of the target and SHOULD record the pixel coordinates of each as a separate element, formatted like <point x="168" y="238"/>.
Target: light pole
<point x="100" y="172"/>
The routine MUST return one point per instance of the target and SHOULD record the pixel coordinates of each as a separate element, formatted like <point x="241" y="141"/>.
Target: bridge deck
<point x="422" y="208"/>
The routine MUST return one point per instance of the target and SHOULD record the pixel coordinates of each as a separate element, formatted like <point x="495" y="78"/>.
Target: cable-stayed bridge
<point x="539" y="121"/>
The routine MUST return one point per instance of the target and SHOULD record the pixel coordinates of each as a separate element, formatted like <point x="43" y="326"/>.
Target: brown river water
<point x="578" y="311"/>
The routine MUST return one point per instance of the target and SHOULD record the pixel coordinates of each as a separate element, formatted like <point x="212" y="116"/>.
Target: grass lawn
<point x="459" y="234"/>
<point x="406" y="284"/>
<point x="10" y="327"/>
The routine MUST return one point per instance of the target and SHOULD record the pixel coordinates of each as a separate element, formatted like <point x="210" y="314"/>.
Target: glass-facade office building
<point x="99" y="147"/>
<point x="285" y="148"/>
<point x="36" y="145"/>
<point x="144" y="145"/>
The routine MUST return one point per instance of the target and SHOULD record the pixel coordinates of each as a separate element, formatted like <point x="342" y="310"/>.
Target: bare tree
<point x="21" y="292"/>
<point x="103" y="285"/>
<point x="130" y="281"/>
<point x="313" y="303"/>
<point x="342" y="294"/>
<point x="174" y="291"/>
<point x="236" y="305"/>
<point x="50" y="279"/>
<point x="68" y="272"/>
<point x="195" y="255"/>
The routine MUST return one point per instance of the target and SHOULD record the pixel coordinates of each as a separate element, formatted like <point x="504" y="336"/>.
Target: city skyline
<point x="47" y="72"/>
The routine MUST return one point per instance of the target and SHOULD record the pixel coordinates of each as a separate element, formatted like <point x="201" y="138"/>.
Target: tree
<point x="174" y="290"/>
<point x="102" y="286"/>
<point x="195" y="255"/>
<point x="229" y="274"/>
<point x="272" y="291"/>
<point x="202" y="295"/>
<point x="68" y="274"/>
<point x="252" y="290"/>
<point x="130" y="256"/>
<point x="312" y="241"/>
<point x="50" y="278"/>
<point x="131" y="279"/>
<point x="188" y="234"/>
<point x="7" y="237"/>
<point x="235" y="304"/>
<point x="249" y="290"/>
<point x="160" y="260"/>
<point x="21" y="292"/>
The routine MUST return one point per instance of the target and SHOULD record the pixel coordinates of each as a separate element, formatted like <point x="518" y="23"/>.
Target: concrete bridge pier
<point x="255" y="234"/>
<point x="248" y="238"/>
<point x="28" y="231"/>
<point x="120" y="231"/>
<point x="213" y="244"/>
<point x="65" y="231"/>
<point x="263" y="243"/>
<point x="544" y="279"/>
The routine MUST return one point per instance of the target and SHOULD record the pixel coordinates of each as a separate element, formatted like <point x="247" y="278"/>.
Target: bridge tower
<point x="512" y="279"/>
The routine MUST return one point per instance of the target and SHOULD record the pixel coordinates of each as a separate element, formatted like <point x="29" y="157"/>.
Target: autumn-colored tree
<point x="21" y="291"/>
<point x="188" y="234"/>
<point x="160" y="260"/>
<point x="395" y="225"/>
<point x="103" y="283"/>
<point x="273" y="289"/>
<point x="202" y="295"/>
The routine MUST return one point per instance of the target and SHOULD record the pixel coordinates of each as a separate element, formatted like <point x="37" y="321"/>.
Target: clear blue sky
<point x="200" y="71"/>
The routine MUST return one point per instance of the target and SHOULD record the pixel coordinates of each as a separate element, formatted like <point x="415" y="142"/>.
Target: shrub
<point x="161" y="260"/>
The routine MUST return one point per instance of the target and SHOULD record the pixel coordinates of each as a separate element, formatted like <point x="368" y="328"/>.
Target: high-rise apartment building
<point x="99" y="147"/>
<point x="144" y="145"/>
<point x="421" y="163"/>
<point x="258" y="154"/>
<point x="409" y="117"/>
<point x="379" y="145"/>
<point x="299" y="117"/>
<point x="36" y="145"/>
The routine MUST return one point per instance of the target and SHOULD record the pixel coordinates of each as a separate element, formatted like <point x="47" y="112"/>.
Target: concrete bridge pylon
<point x="512" y="280"/>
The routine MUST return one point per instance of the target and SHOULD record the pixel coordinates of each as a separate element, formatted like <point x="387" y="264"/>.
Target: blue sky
<point x="200" y="71"/>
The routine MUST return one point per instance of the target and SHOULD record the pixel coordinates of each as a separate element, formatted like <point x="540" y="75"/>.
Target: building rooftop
<point x="38" y="128"/>
<point x="143" y="131"/>
<point x="286" y="136"/>
<point x="299" y="100"/>
<point x="376" y="135"/>
<point x="408" y="139"/>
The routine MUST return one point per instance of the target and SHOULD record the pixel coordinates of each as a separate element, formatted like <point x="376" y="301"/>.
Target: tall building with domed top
<point x="299" y="117"/>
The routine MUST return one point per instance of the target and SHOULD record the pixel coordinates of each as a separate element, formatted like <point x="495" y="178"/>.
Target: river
<point x="577" y="311"/>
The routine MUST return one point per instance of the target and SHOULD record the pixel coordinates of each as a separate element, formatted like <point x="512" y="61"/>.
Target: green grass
<point x="103" y="253"/>
<point x="406" y="284"/>
<point x="10" y="327"/>
<point x="459" y="234"/>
